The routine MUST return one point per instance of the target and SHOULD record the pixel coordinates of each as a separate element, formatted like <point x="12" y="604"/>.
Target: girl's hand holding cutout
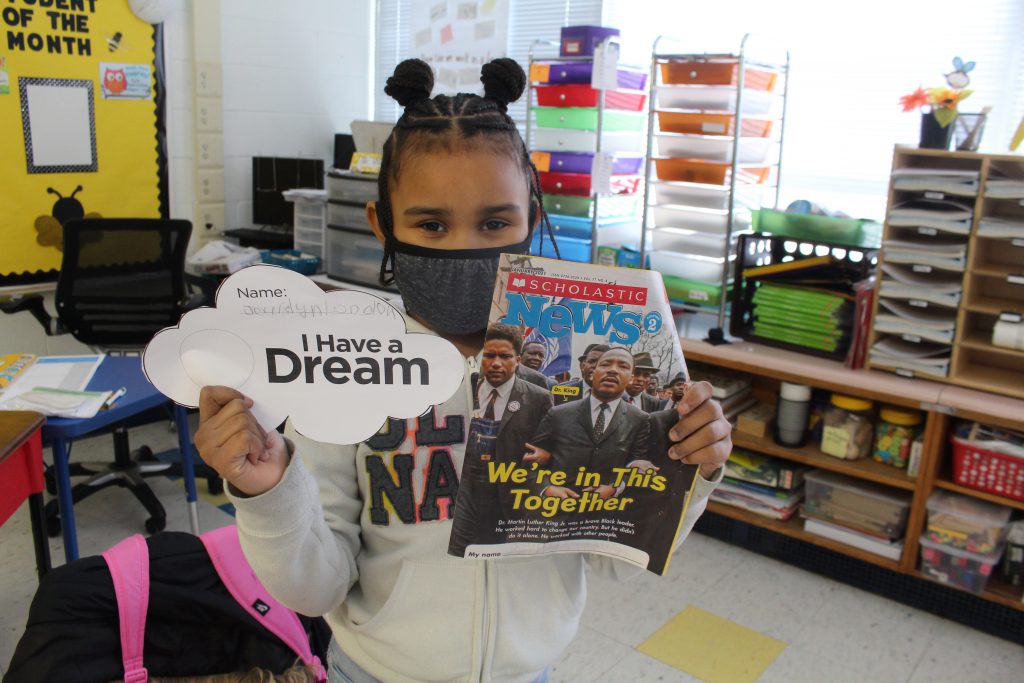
<point x="232" y="442"/>
<point x="703" y="434"/>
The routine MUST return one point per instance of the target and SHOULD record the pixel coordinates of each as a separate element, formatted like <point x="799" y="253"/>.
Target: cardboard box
<point x="756" y="421"/>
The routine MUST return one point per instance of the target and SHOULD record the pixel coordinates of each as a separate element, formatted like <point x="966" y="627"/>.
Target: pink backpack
<point x="128" y="562"/>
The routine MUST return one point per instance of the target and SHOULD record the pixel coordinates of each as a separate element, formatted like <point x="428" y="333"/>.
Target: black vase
<point x="933" y="135"/>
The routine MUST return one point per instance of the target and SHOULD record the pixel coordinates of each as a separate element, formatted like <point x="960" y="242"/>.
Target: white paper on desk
<point x="71" y="373"/>
<point x="338" y="363"/>
<point x="58" y="402"/>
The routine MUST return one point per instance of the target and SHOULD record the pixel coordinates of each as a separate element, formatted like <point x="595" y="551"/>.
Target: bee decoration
<point x="50" y="229"/>
<point x="958" y="78"/>
<point x="114" y="41"/>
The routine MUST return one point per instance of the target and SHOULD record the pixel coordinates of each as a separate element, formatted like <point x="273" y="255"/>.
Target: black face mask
<point x="449" y="289"/>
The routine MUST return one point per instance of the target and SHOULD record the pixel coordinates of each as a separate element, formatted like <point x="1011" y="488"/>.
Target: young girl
<point x="359" y="533"/>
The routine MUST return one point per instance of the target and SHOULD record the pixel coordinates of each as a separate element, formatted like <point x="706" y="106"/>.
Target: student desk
<point x="113" y="372"/>
<point x="21" y="476"/>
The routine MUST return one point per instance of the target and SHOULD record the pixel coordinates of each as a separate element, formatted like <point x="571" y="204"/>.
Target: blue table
<point x="114" y="372"/>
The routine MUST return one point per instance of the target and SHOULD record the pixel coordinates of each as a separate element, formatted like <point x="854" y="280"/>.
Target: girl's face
<point x="471" y="199"/>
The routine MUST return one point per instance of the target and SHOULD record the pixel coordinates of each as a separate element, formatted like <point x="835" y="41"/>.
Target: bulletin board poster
<point x="458" y="37"/>
<point x="79" y="122"/>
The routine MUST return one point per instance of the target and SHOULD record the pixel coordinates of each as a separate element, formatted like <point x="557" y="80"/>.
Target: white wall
<point x="295" y="73"/>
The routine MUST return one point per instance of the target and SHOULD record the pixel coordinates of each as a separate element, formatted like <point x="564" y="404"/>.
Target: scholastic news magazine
<point x="568" y="450"/>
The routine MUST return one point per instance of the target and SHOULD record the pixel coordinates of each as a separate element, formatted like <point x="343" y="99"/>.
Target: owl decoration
<point x="114" y="81"/>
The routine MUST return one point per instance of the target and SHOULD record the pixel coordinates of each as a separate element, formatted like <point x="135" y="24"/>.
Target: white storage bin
<point x="688" y="266"/>
<point x="713" y="98"/>
<point x="570" y="140"/>
<point x="704" y="196"/>
<point x="712" y="147"/>
<point x="348" y="216"/>
<point x="353" y="256"/>
<point x="690" y="242"/>
<point x="700" y="220"/>
<point x="347" y="186"/>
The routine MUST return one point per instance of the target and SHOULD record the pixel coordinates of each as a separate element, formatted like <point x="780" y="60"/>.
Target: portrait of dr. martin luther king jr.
<point x="597" y="433"/>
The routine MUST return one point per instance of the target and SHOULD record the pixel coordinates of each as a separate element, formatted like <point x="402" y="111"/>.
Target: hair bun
<point x="504" y="81"/>
<point x="412" y="81"/>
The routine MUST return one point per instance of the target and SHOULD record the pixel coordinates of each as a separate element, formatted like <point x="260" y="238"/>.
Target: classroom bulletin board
<point x="80" y="125"/>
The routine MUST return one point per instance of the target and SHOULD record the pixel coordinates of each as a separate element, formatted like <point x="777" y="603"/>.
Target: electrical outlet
<point x="210" y="150"/>
<point x="210" y="186"/>
<point x="209" y="218"/>
<point x="209" y="115"/>
<point x="208" y="79"/>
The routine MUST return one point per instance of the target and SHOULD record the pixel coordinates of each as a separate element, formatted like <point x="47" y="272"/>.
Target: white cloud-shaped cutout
<point x="338" y="363"/>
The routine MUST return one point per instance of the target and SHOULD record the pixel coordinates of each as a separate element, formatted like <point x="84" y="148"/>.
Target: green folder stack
<point x="804" y="316"/>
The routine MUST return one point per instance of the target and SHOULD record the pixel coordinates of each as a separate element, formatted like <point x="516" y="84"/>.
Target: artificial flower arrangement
<point x="943" y="101"/>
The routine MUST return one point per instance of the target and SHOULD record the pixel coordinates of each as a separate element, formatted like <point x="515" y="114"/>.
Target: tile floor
<point x="831" y="632"/>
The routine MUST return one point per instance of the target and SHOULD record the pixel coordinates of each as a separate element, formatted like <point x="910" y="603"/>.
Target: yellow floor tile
<point x="711" y="648"/>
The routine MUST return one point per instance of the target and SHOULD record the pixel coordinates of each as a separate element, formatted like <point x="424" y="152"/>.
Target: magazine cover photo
<point x="568" y="443"/>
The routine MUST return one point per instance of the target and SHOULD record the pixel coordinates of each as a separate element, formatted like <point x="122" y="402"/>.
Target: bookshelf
<point x="992" y="280"/>
<point x="940" y="402"/>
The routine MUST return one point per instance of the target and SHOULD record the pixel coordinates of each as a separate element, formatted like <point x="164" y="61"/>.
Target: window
<point x="529" y="20"/>
<point x="850" y="65"/>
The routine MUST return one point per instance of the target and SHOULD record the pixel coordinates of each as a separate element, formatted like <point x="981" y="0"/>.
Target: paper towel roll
<point x="1008" y="335"/>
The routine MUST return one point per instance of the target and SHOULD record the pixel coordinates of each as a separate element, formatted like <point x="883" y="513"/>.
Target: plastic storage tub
<point x="347" y="216"/>
<point x="856" y="504"/>
<point x="708" y="172"/>
<point x="620" y="206"/>
<point x="569" y="248"/>
<point x="688" y="266"/>
<point x="965" y="523"/>
<point x="686" y="291"/>
<point x="569" y="140"/>
<point x="292" y="259"/>
<point x="351" y="187"/>
<point x="585" y="118"/>
<point x="701" y="220"/>
<point x="979" y="468"/>
<point x="581" y="162"/>
<point x="580" y="72"/>
<point x="580" y="228"/>
<point x="581" y="41"/>
<point x="854" y="232"/>
<point x="711" y="147"/>
<point x="717" y="72"/>
<point x="955" y="567"/>
<point x="578" y="184"/>
<point x="689" y="242"/>
<point x="353" y="256"/>
<point x="699" y="123"/>
<point x="703" y="196"/>
<point x="585" y="96"/>
<point x="714" y="98"/>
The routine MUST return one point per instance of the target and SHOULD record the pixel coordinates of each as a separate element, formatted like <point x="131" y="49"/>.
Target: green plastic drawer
<point x="850" y="232"/>
<point x="627" y="206"/>
<point x="691" y="291"/>
<point x="585" y="118"/>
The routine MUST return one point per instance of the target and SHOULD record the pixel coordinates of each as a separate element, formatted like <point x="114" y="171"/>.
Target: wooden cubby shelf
<point x="940" y="402"/>
<point x="866" y="468"/>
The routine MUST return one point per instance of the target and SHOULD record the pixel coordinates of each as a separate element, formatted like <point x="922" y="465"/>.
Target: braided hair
<point x="444" y="122"/>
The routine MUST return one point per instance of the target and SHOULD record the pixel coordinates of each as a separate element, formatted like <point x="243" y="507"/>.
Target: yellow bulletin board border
<point x="160" y="141"/>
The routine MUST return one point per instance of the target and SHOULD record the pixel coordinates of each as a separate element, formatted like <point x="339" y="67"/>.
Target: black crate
<point x="753" y="250"/>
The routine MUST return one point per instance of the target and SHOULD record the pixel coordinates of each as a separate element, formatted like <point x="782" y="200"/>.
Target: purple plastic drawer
<point x="580" y="41"/>
<point x="577" y="162"/>
<point x="579" y="72"/>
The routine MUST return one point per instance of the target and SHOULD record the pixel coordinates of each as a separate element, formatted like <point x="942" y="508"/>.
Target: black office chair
<point x="122" y="280"/>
